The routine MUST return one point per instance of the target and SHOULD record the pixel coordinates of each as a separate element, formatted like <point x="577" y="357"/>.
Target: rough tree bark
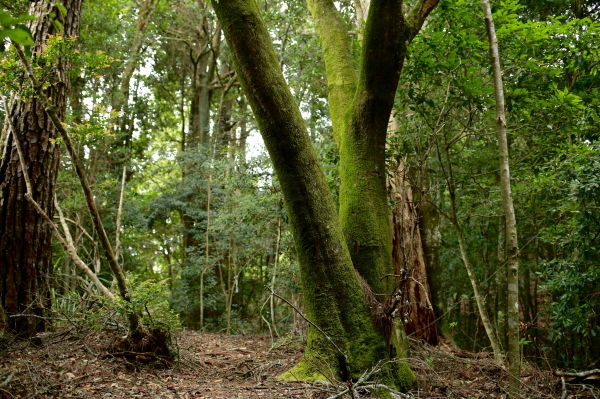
<point x="512" y="246"/>
<point x="25" y="238"/>
<point x="332" y="289"/>
<point x="409" y="259"/>
<point x="337" y="298"/>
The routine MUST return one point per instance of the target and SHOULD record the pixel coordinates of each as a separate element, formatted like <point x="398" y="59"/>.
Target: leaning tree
<point x="344" y="258"/>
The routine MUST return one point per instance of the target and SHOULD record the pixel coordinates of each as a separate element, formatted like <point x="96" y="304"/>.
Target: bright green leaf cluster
<point x="14" y="28"/>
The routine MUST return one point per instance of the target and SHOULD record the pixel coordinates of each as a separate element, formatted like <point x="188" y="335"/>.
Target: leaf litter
<point x="217" y="366"/>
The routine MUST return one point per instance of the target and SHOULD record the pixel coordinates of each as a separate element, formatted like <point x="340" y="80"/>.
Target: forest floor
<point x="67" y="365"/>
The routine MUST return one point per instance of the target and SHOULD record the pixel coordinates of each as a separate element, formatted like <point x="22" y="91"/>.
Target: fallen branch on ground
<point x="578" y="374"/>
<point x="365" y="383"/>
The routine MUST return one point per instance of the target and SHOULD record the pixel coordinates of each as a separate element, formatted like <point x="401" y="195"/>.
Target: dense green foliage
<point x="551" y="82"/>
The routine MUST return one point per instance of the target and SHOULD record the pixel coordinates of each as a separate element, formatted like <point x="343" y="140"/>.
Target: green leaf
<point x="58" y="25"/>
<point x="21" y="19"/>
<point x="61" y="8"/>
<point x="20" y="35"/>
<point x="6" y="20"/>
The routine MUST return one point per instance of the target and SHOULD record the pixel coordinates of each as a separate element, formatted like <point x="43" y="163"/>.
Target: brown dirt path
<point x="210" y="366"/>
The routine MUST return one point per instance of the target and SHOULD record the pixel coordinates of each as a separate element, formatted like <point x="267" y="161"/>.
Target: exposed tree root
<point x="145" y="347"/>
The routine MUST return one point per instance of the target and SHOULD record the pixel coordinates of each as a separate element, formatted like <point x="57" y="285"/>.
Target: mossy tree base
<point x="395" y="373"/>
<point x="304" y="371"/>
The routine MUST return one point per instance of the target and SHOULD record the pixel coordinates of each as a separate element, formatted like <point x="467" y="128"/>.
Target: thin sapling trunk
<point x="512" y="246"/>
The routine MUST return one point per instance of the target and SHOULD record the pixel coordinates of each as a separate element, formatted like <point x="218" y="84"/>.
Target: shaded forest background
<point x="187" y="191"/>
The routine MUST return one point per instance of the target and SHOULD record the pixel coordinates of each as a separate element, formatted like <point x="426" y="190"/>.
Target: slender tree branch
<point x="72" y="251"/>
<point x="110" y="255"/>
<point x="337" y="348"/>
<point x="67" y="241"/>
<point x="120" y="214"/>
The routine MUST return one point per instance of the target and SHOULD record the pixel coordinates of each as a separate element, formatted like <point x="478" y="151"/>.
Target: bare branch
<point x="417" y="14"/>
<point x="67" y="241"/>
<point x="110" y="255"/>
<point x="580" y="374"/>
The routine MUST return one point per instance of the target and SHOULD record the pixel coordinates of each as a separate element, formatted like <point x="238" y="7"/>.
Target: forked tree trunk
<point x="25" y="238"/>
<point x="332" y="290"/>
<point x="360" y="104"/>
<point x="336" y="299"/>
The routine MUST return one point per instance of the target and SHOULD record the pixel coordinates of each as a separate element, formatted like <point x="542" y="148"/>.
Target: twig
<point x="310" y="322"/>
<point x="339" y="395"/>
<point x="364" y="382"/>
<point x="266" y="321"/>
<point x="390" y="390"/>
<point x="5" y="391"/>
<point x="580" y="374"/>
<point x="50" y="110"/>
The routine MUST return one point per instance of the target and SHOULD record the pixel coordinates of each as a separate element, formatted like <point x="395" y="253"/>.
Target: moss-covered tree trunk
<point x="332" y="290"/>
<point x="25" y="238"/>
<point x="360" y="104"/>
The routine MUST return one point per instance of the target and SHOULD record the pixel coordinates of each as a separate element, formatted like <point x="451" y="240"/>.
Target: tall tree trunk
<point x="500" y="302"/>
<point x="429" y="226"/>
<point x="147" y="8"/>
<point x="334" y="294"/>
<point x="409" y="259"/>
<point x="25" y="238"/>
<point x="334" y="299"/>
<point x="274" y="278"/>
<point x="244" y="133"/>
<point x="512" y="246"/>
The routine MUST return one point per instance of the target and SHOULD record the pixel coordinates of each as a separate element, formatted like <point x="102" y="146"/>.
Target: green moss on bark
<point x="404" y="376"/>
<point x="304" y="371"/>
<point x="341" y="73"/>
<point x="333" y="294"/>
<point x="332" y="290"/>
